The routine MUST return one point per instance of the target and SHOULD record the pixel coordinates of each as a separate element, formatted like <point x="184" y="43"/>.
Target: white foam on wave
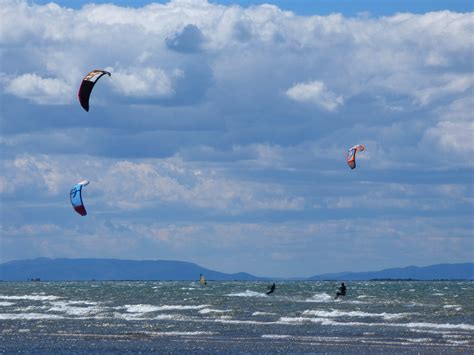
<point x="237" y="321"/>
<point x="210" y="310"/>
<point x="28" y="316"/>
<point x="277" y="336"/>
<point x="263" y="314"/>
<point x="458" y="342"/>
<point x="326" y="321"/>
<point x="324" y="339"/>
<point x="6" y="304"/>
<point x="129" y="316"/>
<point x="147" y="308"/>
<point x="453" y="306"/>
<point x="461" y="326"/>
<point x="177" y="333"/>
<point x="65" y="307"/>
<point x="176" y="317"/>
<point x="320" y="297"/>
<point x="350" y="301"/>
<point x="419" y="340"/>
<point x="140" y="308"/>
<point x="34" y="297"/>
<point x="293" y="320"/>
<point x="426" y="331"/>
<point x="336" y="313"/>
<point x="182" y="307"/>
<point x="248" y="293"/>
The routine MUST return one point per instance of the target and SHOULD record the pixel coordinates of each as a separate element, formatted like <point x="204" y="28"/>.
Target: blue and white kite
<point x="76" y="197"/>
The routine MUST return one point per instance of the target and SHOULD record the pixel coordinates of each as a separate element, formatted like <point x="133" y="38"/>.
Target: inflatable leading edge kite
<point x="351" y="155"/>
<point x="87" y="85"/>
<point x="76" y="197"/>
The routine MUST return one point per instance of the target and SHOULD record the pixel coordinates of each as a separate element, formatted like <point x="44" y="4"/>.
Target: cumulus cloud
<point x="40" y="90"/>
<point x="452" y="137"/>
<point x="315" y="92"/>
<point x="189" y="40"/>
<point x="143" y="82"/>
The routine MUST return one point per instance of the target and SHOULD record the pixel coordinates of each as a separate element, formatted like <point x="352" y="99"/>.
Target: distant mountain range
<point x="47" y="269"/>
<point x="434" y="272"/>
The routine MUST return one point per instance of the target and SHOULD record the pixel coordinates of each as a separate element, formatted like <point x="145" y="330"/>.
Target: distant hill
<point x="434" y="272"/>
<point x="110" y="269"/>
<point x="47" y="269"/>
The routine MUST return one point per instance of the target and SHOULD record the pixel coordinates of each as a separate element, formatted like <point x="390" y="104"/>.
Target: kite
<point x="351" y="154"/>
<point x="87" y="85"/>
<point x="76" y="197"/>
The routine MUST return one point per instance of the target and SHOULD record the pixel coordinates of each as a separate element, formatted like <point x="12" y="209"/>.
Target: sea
<point x="236" y="317"/>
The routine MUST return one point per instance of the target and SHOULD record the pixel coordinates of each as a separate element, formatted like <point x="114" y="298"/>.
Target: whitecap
<point x="178" y="333"/>
<point x="140" y="308"/>
<point x="210" y="310"/>
<point x="177" y="317"/>
<point x="31" y="297"/>
<point x="451" y="306"/>
<point x="263" y="314"/>
<point x="440" y="326"/>
<point x="336" y="313"/>
<point x="419" y="340"/>
<point x="181" y="307"/>
<point x="147" y="308"/>
<point x="91" y="303"/>
<point x="6" y="304"/>
<point x="28" y="316"/>
<point x="277" y="336"/>
<point x="64" y="307"/>
<point x="248" y="293"/>
<point x="325" y="321"/>
<point x="320" y="297"/>
<point x="458" y="342"/>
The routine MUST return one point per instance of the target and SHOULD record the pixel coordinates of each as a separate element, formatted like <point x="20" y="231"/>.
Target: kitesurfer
<point x="341" y="291"/>
<point x="271" y="289"/>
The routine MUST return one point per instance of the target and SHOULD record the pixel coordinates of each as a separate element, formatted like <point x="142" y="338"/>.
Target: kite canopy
<point x="351" y="154"/>
<point x="76" y="197"/>
<point x="87" y="85"/>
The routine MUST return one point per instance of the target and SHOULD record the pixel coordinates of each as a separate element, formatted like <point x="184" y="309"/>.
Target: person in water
<point x="271" y="289"/>
<point x="341" y="291"/>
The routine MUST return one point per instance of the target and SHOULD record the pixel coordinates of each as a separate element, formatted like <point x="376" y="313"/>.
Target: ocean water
<point x="227" y="317"/>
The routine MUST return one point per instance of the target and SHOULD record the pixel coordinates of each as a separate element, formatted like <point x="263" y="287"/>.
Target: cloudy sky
<point x="220" y="137"/>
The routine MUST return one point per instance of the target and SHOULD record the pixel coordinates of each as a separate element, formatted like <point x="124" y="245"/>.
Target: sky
<point x="221" y="136"/>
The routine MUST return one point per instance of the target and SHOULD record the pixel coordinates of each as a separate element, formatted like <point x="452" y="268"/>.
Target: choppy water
<point x="227" y="317"/>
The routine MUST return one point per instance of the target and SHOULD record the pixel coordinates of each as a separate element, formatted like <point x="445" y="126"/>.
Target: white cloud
<point x="315" y="92"/>
<point x="142" y="185"/>
<point x="445" y="86"/>
<point x="452" y="137"/>
<point x="40" y="90"/>
<point x="36" y="172"/>
<point x="143" y="82"/>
